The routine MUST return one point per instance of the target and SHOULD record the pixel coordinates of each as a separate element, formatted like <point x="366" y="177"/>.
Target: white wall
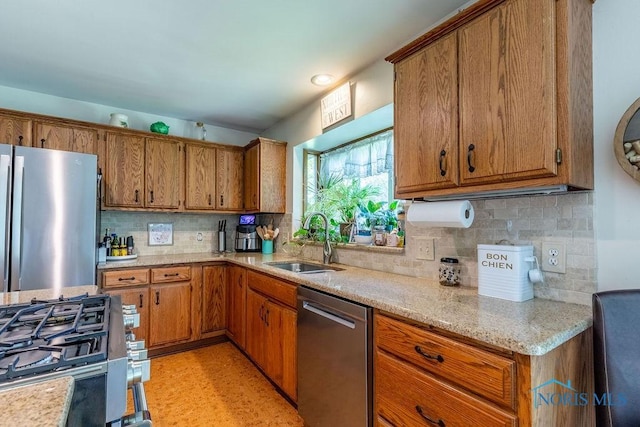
<point x="616" y="78"/>
<point x="40" y="103"/>
<point x="372" y="91"/>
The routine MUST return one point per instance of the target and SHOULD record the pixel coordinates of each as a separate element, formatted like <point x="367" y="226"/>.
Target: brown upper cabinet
<point x="213" y="177"/>
<point x="229" y="178"/>
<point x="142" y="172"/>
<point x="66" y="138"/>
<point x="15" y="130"/>
<point x="498" y="97"/>
<point x="265" y="176"/>
<point x="200" y="177"/>
<point x="162" y="166"/>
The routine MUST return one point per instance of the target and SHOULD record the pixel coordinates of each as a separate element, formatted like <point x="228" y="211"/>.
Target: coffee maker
<point x="247" y="239"/>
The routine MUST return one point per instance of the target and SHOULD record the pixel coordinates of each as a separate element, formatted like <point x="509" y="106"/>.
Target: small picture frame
<point x="160" y="234"/>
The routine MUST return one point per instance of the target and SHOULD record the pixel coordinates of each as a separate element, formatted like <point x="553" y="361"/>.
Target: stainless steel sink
<point x="304" y="267"/>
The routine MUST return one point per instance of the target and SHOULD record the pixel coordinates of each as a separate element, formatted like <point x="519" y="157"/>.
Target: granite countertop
<point x="45" y="294"/>
<point x="42" y="404"/>
<point x="533" y="327"/>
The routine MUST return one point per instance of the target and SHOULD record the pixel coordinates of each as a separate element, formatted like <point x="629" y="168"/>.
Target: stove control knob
<point x="137" y="354"/>
<point x="131" y="321"/>
<point x="135" y="345"/>
<point x="138" y="371"/>
<point x="129" y="308"/>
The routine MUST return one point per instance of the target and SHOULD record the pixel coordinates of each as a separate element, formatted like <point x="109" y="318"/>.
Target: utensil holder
<point x="222" y="241"/>
<point x="267" y="246"/>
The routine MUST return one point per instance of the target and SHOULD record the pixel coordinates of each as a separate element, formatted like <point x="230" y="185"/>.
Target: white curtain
<point x="361" y="159"/>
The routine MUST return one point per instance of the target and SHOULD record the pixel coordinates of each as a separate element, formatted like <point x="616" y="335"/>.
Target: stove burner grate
<point x="38" y="338"/>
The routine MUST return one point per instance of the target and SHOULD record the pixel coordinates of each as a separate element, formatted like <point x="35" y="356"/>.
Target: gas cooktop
<point x="54" y="335"/>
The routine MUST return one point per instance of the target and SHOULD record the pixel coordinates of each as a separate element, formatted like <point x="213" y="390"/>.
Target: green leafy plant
<point x="339" y="200"/>
<point x="375" y="214"/>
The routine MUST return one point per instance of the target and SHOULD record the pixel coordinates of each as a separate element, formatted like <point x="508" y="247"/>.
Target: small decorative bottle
<point x="203" y="131"/>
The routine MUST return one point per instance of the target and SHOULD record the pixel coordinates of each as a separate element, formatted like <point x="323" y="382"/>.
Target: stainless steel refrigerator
<point x="47" y="218"/>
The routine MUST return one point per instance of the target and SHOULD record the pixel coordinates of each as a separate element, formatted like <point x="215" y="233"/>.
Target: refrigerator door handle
<point x="5" y="180"/>
<point x="16" y="239"/>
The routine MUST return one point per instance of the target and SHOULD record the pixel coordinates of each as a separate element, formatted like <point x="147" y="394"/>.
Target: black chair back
<point x="616" y="357"/>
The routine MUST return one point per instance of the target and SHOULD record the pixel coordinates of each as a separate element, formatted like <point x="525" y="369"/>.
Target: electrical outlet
<point x="424" y="248"/>
<point x="554" y="257"/>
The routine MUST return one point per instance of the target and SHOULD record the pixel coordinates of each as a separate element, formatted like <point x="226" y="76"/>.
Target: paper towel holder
<point x="512" y="192"/>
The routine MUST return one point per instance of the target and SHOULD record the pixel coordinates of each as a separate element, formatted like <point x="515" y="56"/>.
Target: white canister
<point x="119" y="120"/>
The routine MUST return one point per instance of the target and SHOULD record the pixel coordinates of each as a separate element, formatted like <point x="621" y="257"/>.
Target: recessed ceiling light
<point x="322" y="79"/>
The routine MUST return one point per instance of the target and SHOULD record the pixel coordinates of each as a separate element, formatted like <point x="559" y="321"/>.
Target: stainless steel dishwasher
<point x="334" y="361"/>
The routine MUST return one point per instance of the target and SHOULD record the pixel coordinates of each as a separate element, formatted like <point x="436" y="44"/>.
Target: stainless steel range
<point x="85" y="337"/>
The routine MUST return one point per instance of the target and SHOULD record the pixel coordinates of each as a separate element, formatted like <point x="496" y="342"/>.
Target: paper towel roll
<point x="458" y="213"/>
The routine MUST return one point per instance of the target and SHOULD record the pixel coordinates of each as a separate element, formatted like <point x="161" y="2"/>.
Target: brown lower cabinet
<point x="177" y="304"/>
<point x="271" y="333"/>
<point x="236" y="318"/>
<point x="170" y="313"/>
<point x="214" y="298"/>
<point x="427" y="377"/>
<point x="139" y="297"/>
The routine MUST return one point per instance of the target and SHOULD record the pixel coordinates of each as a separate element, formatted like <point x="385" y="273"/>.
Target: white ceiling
<point x="242" y="64"/>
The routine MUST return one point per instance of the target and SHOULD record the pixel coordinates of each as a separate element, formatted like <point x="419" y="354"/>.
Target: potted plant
<point x="348" y="197"/>
<point x="379" y="220"/>
<point x="375" y="214"/>
<point x="339" y="200"/>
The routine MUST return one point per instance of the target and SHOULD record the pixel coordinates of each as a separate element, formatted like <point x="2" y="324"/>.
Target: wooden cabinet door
<point x="162" y="165"/>
<point x="426" y="114"/>
<point x="272" y="170"/>
<point x="66" y="138"/>
<point x="124" y="171"/>
<point x="53" y="136"/>
<point x="214" y="298"/>
<point x="251" y="178"/>
<point x="200" y="177"/>
<point x="140" y="298"/>
<point x="280" y="352"/>
<point x="229" y="167"/>
<point x="507" y="94"/>
<point x="257" y="334"/>
<point x="15" y="131"/>
<point x="170" y="320"/>
<point x="236" y="314"/>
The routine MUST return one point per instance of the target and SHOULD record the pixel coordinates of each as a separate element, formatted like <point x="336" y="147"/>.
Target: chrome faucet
<point x="326" y="250"/>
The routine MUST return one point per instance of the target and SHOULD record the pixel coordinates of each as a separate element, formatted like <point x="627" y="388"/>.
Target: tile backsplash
<point x="186" y="230"/>
<point x="566" y="218"/>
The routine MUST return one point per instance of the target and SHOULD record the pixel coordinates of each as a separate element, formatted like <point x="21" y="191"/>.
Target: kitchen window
<point x="366" y="161"/>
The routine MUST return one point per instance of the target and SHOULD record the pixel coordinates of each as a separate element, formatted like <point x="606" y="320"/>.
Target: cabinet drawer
<point x="112" y="279"/>
<point x="284" y="292"/>
<point x="484" y="373"/>
<point x="171" y="274"/>
<point x="406" y="395"/>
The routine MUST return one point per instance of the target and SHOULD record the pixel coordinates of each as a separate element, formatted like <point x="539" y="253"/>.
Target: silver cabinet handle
<point x="5" y="170"/>
<point x="344" y="322"/>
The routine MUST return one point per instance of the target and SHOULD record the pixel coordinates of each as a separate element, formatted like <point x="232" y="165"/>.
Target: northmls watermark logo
<point x="557" y="393"/>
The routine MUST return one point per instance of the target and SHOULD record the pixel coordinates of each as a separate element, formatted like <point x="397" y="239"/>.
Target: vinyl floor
<point x="214" y="386"/>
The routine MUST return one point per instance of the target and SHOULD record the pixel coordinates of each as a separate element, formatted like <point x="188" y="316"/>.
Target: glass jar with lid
<point x="449" y="272"/>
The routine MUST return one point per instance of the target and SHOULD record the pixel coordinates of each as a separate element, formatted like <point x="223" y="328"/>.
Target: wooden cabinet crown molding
<point x="461" y="18"/>
<point x="53" y="120"/>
